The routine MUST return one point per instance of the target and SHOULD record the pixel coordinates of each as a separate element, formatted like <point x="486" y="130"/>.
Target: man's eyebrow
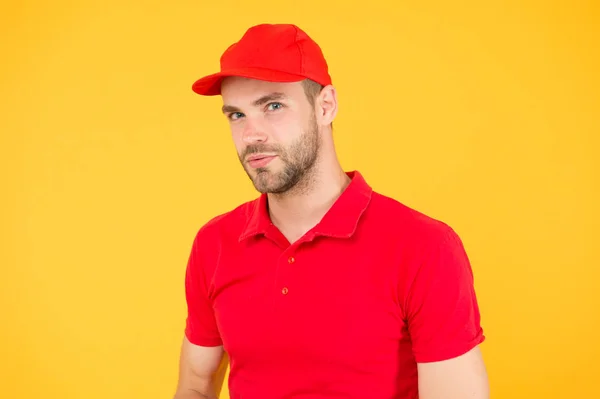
<point x="229" y="108"/>
<point x="260" y="101"/>
<point x="268" y="98"/>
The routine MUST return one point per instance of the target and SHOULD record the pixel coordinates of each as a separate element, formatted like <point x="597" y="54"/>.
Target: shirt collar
<point x="340" y="221"/>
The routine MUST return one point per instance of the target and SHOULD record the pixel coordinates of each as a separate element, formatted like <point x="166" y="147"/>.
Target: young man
<point x="320" y="288"/>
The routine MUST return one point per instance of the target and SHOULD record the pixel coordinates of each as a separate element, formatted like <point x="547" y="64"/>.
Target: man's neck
<point x="296" y="212"/>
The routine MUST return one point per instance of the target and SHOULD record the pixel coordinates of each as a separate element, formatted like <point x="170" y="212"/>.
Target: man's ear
<point x="326" y="105"/>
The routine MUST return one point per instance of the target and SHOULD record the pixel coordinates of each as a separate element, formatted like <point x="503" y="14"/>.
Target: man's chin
<point x="265" y="184"/>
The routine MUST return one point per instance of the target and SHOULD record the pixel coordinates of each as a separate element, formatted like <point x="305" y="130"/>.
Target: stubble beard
<point x="298" y="165"/>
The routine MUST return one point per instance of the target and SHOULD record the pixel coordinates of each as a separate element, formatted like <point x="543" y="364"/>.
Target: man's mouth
<point x="260" y="160"/>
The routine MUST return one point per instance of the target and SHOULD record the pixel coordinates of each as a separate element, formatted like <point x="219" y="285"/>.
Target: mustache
<point x="260" y="148"/>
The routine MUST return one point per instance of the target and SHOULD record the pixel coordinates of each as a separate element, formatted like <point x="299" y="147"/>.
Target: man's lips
<point x="260" y="160"/>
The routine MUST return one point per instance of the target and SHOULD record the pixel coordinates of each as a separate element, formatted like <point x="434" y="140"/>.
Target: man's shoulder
<point x="407" y="220"/>
<point x="228" y="223"/>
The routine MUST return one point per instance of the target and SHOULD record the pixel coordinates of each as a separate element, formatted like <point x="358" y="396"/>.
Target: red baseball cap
<point x="271" y="52"/>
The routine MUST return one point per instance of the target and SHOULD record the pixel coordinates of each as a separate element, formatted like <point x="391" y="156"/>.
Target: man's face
<point x="274" y="130"/>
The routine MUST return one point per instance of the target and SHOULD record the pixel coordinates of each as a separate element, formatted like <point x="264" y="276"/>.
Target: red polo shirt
<point x="347" y="311"/>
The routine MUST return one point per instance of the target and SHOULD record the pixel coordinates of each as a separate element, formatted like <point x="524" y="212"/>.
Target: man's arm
<point x="202" y="363"/>
<point x="201" y="371"/>
<point x="463" y="377"/>
<point x="444" y="323"/>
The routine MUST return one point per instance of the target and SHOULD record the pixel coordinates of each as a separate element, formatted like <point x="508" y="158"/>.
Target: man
<point x="320" y="288"/>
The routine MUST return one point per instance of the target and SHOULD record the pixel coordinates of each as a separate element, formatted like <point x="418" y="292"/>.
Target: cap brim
<point x="211" y="85"/>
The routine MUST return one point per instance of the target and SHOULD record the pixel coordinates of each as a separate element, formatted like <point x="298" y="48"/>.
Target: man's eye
<point x="274" y="106"/>
<point x="235" y="115"/>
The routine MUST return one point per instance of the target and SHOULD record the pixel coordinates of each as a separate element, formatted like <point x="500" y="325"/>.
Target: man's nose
<point x="253" y="132"/>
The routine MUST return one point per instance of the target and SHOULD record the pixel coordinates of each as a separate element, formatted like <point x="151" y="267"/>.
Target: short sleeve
<point x="441" y="307"/>
<point x="201" y="326"/>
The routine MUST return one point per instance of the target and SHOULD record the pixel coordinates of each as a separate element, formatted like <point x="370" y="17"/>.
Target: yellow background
<point x="482" y="114"/>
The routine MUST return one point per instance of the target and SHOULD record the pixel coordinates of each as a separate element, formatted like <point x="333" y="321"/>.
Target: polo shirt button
<point x="284" y="291"/>
<point x="291" y="259"/>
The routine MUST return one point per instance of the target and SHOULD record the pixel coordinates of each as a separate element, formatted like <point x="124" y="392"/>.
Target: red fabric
<point x="272" y="52"/>
<point x="345" y="312"/>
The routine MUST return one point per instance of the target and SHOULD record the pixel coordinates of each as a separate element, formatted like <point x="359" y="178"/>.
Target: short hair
<point x="311" y="90"/>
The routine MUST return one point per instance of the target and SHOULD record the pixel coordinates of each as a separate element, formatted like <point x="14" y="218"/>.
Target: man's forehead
<point x="253" y="87"/>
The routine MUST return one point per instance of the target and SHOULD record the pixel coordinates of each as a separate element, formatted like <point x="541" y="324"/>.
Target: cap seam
<point x="302" y="69"/>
